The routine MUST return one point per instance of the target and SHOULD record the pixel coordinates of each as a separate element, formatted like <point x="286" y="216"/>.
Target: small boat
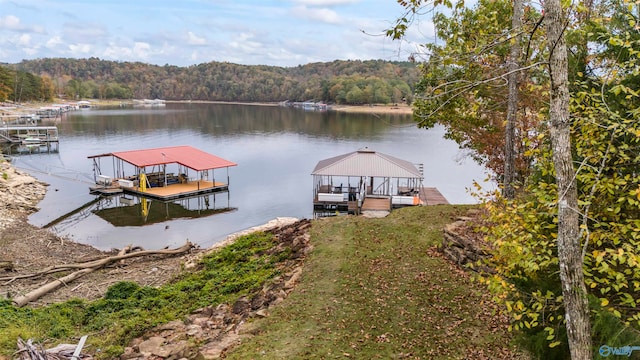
<point x="83" y="104"/>
<point x="31" y="141"/>
<point x="149" y="102"/>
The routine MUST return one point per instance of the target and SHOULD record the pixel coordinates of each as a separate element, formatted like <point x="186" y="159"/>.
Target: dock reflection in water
<point x="130" y="210"/>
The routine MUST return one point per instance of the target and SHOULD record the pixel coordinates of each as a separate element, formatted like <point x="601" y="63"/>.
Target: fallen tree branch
<point x="65" y="267"/>
<point x="48" y="287"/>
<point x="87" y="268"/>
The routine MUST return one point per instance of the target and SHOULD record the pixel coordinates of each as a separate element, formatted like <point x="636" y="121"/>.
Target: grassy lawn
<point x="370" y="288"/>
<point x="377" y="288"/>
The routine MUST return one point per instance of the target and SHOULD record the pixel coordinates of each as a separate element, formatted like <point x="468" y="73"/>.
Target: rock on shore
<point x="19" y="193"/>
<point x="210" y="332"/>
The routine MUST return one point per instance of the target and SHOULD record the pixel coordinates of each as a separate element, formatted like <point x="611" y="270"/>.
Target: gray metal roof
<point x="366" y="162"/>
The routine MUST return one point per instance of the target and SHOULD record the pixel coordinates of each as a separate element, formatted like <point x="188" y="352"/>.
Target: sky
<point x="188" y="32"/>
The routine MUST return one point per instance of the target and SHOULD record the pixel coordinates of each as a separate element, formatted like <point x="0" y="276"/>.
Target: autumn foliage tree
<point x="342" y="82"/>
<point x="5" y="83"/>
<point x="16" y="85"/>
<point x="464" y="83"/>
<point x="606" y="139"/>
<point x="576" y="214"/>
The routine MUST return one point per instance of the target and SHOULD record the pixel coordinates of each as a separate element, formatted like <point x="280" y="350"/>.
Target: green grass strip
<point x="377" y="289"/>
<point x="128" y="310"/>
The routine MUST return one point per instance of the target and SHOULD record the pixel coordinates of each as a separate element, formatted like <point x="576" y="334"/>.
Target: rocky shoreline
<point x="19" y="194"/>
<point x="205" y="334"/>
<point x="210" y="332"/>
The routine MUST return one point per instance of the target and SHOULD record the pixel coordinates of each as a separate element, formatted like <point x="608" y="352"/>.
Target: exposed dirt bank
<point x="27" y="249"/>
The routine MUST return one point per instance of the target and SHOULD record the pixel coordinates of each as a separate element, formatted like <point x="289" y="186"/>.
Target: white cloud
<point x="318" y="14"/>
<point x="54" y="42"/>
<point x="114" y="51"/>
<point x="11" y="22"/>
<point x="326" y="2"/>
<point x="141" y="50"/>
<point x="30" y="50"/>
<point x="84" y="32"/>
<point x="245" y="44"/>
<point x="193" y="39"/>
<point x="80" y="49"/>
<point x="283" y="55"/>
<point x="195" y="56"/>
<point x="24" y="40"/>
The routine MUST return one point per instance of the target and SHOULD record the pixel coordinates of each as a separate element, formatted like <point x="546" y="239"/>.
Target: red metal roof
<point x="184" y="155"/>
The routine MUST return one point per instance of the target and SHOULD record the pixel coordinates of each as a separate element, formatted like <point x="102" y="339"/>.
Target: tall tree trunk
<point x="569" y="249"/>
<point x="512" y="102"/>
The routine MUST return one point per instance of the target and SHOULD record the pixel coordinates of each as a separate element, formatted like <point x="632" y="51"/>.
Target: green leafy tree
<point x="27" y="87"/>
<point x="463" y="83"/>
<point x="584" y="170"/>
<point x="355" y="96"/>
<point x="605" y="134"/>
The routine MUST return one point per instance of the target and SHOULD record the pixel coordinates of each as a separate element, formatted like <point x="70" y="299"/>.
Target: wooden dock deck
<point x="376" y="204"/>
<point x="431" y="196"/>
<point x="169" y="192"/>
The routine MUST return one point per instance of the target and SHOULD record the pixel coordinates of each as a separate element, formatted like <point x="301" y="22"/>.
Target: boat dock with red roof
<point x="166" y="173"/>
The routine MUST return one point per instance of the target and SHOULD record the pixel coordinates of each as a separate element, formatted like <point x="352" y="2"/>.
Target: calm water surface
<point x="275" y="149"/>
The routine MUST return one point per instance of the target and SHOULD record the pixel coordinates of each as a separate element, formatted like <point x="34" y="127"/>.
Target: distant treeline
<point x="341" y="82"/>
<point x="17" y="85"/>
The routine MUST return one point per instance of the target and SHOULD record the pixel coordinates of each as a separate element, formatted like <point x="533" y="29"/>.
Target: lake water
<point x="275" y="149"/>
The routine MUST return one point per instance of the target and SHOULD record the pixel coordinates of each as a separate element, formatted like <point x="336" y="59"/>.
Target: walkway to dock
<point x="428" y="196"/>
<point x="431" y="196"/>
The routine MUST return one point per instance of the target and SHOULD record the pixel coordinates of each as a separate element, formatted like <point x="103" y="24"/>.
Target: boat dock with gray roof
<point x="366" y="180"/>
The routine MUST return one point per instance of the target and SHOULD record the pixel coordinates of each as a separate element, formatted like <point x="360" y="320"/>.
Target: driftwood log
<point x="85" y="268"/>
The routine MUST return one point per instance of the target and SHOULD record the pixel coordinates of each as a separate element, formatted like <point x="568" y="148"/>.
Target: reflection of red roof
<point x="184" y="155"/>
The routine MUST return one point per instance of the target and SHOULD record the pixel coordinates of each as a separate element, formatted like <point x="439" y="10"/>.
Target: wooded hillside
<point x="352" y="82"/>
